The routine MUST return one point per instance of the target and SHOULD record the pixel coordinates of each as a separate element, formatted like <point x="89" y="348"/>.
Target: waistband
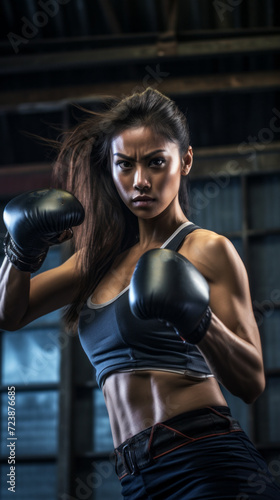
<point x="144" y="448"/>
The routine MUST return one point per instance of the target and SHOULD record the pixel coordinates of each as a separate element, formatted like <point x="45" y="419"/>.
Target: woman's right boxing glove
<point x="35" y="220"/>
<point x="168" y="287"/>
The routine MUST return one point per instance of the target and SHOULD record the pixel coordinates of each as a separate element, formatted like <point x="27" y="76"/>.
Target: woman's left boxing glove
<point x="167" y="287"/>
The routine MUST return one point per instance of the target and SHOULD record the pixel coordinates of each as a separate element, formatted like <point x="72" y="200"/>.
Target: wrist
<point x="22" y="262"/>
<point x="200" y="331"/>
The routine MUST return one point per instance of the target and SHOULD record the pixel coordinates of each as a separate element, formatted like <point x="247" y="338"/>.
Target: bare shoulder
<point x="213" y="254"/>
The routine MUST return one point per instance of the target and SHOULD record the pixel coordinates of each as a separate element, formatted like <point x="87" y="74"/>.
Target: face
<point x="147" y="170"/>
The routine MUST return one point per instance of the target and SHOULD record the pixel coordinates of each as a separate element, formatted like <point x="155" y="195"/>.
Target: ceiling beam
<point x="61" y="96"/>
<point x="60" y="61"/>
<point x="223" y="161"/>
<point x="129" y="39"/>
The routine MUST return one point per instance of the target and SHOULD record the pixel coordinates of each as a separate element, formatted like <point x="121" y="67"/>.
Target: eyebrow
<point x="145" y="157"/>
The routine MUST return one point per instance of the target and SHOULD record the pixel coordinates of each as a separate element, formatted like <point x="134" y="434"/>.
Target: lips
<point x="142" y="198"/>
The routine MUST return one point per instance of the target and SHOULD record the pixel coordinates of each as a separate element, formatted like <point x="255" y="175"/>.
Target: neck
<point x="157" y="230"/>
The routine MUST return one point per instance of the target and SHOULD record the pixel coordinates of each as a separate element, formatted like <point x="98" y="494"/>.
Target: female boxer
<point x="163" y="306"/>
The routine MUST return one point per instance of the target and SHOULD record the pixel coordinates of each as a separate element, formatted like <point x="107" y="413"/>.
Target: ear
<point x="187" y="161"/>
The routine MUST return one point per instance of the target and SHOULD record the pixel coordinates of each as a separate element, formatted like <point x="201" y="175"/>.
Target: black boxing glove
<point x="167" y="287"/>
<point x="35" y="220"/>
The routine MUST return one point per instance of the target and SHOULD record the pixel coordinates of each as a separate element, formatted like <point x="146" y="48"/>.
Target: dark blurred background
<point x="219" y="60"/>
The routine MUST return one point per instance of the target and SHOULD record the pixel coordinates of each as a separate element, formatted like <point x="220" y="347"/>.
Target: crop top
<point x="116" y="341"/>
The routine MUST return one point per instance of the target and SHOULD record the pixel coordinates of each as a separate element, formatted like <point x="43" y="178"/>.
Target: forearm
<point x="236" y="363"/>
<point x="14" y="295"/>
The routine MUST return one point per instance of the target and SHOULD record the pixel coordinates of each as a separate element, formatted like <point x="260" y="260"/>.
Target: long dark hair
<point x="83" y="168"/>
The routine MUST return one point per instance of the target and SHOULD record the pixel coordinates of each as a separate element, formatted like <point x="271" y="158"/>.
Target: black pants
<point x="202" y="454"/>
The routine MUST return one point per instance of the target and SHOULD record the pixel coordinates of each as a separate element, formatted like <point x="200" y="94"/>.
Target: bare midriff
<point x="139" y="399"/>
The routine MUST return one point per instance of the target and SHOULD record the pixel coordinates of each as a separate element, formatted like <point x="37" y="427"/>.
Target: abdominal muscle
<point x="139" y="399"/>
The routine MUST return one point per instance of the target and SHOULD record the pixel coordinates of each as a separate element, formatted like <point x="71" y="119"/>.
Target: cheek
<point x="170" y="183"/>
<point x="120" y="183"/>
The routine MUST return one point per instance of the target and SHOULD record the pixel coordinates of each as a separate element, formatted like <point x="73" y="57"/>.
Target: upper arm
<point x="51" y="290"/>
<point x="230" y="298"/>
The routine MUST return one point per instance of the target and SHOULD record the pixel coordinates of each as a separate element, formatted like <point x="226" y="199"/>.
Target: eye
<point x="157" y="162"/>
<point x="124" y="165"/>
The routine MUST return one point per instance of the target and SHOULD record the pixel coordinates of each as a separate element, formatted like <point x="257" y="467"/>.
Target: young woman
<point x="163" y="306"/>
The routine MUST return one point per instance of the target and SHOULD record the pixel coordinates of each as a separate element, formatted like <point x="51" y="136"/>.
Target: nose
<point x="141" y="179"/>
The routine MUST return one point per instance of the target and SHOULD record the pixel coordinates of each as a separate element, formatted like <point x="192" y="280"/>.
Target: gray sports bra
<point x="114" y="340"/>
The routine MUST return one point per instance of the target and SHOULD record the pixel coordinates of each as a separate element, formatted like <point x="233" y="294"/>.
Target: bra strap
<point x="176" y="242"/>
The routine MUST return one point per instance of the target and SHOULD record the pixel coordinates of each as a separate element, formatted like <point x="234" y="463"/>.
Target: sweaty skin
<point x="147" y="170"/>
<point x="144" y="164"/>
<point x="138" y="399"/>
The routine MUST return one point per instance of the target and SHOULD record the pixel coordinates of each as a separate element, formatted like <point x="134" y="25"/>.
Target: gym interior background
<point x="219" y="60"/>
